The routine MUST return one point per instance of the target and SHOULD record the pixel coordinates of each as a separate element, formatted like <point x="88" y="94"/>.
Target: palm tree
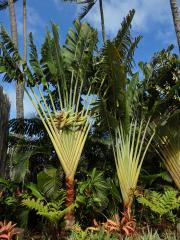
<point x="88" y="5"/>
<point x="13" y="25"/>
<point x="176" y="19"/>
<point x="58" y="78"/>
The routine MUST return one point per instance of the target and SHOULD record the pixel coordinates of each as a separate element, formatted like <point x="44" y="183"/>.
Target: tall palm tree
<point x="13" y="25"/>
<point x="19" y="87"/>
<point x="88" y="5"/>
<point x="176" y="19"/>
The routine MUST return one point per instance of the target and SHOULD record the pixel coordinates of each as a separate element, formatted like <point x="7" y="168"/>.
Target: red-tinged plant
<point x="8" y="230"/>
<point x="126" y="225"/>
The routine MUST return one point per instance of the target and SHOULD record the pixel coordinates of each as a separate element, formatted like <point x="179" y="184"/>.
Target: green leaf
<point x="35" y="191"/>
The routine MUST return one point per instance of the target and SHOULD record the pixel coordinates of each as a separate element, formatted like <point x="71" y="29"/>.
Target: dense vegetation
<point x="101" y="159"/>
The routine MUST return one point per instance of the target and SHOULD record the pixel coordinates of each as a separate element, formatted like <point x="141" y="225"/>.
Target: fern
<point x="48" y="210"/>
<point x="162" y="203"/>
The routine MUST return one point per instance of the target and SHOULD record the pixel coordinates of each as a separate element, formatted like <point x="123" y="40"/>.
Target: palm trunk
<point x="176" y="19"/>
<point x="4" y="116"/>
<point x="102" y="21"/>
<point x="25" y="30"/>
<point x="13" y="22"/>
<point x="19" y="86"/>
<point x="69" y="217"/>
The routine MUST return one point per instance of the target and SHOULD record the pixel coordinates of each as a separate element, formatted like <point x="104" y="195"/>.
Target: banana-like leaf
<point x="125" y="43"/>
<point x="49" y="182"/>
<point x="80" y="43"/>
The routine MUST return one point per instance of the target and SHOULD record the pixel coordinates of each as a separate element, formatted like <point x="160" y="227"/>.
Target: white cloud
<point x="58" y="2"/>
<point x="167" y="36"/>
<point x="149" y="13"/>
<point x="34" y="21"/>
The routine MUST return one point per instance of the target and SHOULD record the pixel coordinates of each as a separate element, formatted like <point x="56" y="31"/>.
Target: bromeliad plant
<point x="55" y="87"/>
<point x="8" y="230"/>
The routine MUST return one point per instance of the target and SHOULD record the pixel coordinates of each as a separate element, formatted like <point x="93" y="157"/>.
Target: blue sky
<point x="153" y="21"/>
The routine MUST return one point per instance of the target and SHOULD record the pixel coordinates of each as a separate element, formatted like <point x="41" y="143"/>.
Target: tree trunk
<point x="19" y="86"/>
<point x="102" y="21"/>
<point x="176" y="19"/>
<point x="4" y="116"/>
<point x="25" y="30"/>
<point x="69" y="217"/>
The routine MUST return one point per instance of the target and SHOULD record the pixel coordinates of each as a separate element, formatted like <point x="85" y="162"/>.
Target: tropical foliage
<point x="163" y="204"/>
<point x="100" y="160"/>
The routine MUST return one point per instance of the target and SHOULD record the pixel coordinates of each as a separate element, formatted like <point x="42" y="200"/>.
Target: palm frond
<point x="123" y="38"/>
<point x="10" y="60"/>
<point x="39" y="76"/>
<point x="88" y="5"/>
<point x="129" y="60"/>
<point x="85" y="9"/>
<point x="32" y="127"/>
<point x="113" y="87"/>
<point x="4" y="4"/>
<point x="132" y="96"/>
<point x="125" y="43"/>
<point x="116" y="75"/>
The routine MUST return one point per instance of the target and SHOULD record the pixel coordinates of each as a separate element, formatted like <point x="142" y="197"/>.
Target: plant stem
<point x="69" y="217"/>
